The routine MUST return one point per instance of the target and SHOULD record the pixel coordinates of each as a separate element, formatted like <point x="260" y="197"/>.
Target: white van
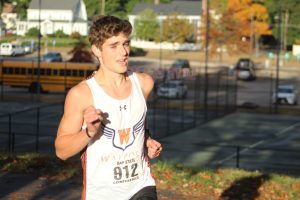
<point x="10" y="49"/>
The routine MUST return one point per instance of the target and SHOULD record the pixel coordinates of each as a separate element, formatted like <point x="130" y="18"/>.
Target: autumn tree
<point x="176" y="29"/>
<point x="235" y="27"/>
<point x="252" y="16"/>
<point x="147" y="27"/>
<point x="80" y="54"/>
<point x="223" y="33"/>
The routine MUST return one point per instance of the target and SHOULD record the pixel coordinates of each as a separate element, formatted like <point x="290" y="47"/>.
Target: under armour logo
<point x="122" y="107"/>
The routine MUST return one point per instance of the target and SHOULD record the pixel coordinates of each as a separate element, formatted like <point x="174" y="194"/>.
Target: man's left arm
<point x="154" y="147"/>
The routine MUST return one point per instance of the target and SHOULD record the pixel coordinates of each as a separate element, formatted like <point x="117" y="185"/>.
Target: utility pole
<point x="207" y="27"/>
<point x="38" y="85"/>
<point x="278" y="58"/>
<point x="102" y="8"/>
<point x="251" y="34"/>
<point x="286" y="22"/>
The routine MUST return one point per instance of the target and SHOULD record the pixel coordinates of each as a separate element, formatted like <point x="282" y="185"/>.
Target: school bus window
<point x="48" y="71"/>
<point x="10" y="70"/>
<point x="36" y="71"/>
<point x="89" y="72"/>
<point x="81" y="72"/>
<point x="68" y="72"/>
<point x="4" y="70"/>
<point x="42" y="71"/>
<point x="74" y="72"/>
<point x="17" y="70"/>
<point x="55" y="72"/>
<point x="29" y="71"/>
<point x="62" y="72"/>
<point x="23" y="70"/>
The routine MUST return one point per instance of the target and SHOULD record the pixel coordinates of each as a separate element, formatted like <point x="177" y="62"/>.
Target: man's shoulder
<point x="80" y="92"/>
<point x="144" y="77"/>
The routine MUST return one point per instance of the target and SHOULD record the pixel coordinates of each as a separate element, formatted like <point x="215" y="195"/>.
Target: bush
<point x="75" y="35"/>
<point x="60" y="34"/>
<point x="33" y="32"/>
<point x="134" y="51"/>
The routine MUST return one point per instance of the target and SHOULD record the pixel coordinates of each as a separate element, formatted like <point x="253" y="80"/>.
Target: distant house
<point x="67" y="15"/>
<point x="189" y="10"/>
<point x="9" y="16"/>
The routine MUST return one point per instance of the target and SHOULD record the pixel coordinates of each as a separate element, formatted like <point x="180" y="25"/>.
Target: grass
<point x="188" y="182"/>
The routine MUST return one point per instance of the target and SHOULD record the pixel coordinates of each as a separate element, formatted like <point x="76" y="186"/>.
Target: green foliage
<point x="60" y="34"/>
<point x="147" y="27"/>
<point x="75" y="35"/>
<point x="22" y="6"/>
<point x="291" y="7"/>
<point x="33" y="32"/>
<point x="177" y="29"/>
<point x="134" y="51"/>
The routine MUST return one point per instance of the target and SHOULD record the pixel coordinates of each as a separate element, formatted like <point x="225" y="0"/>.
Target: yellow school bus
<point x="48" y="77"/>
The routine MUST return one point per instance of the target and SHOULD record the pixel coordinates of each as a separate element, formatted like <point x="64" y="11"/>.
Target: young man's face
<point x="115" y="52"/>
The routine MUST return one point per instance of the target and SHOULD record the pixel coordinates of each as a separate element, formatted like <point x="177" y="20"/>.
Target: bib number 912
<point x="125" y="171"/>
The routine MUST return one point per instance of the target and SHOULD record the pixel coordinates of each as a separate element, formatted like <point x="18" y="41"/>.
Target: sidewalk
<point x="30" y="187"/>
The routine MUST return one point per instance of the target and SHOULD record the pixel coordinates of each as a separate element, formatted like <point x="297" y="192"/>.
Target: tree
<point x="22" y="6"/>
<point x="177" y="29"/>
<point x="80" y="54"/>
<point x="224" y="34"/>
<point x="290" y="18"/>
<point x="33" y="32"/>
<point x="147" y="27"/>
<point x="229" y="26"/>
<point x="255" y="15"/>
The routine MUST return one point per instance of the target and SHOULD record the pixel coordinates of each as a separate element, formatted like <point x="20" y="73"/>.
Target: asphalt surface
<point x="206" y="145"/>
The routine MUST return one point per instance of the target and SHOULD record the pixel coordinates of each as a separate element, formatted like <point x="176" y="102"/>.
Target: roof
<point x="54" y="4"/>
<point x="9" y="8"/>
<point x="180" y="7"/>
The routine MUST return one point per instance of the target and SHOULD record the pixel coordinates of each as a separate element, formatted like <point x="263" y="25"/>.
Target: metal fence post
<point x="37" y="130"/>
<point x="238" y="157"/>
<point x="9" y="134"/>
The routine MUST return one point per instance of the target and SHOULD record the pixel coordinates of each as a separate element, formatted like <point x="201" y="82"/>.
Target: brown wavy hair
<point x="104" y="27"/>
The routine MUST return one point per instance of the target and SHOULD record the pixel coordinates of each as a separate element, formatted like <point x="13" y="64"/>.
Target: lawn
<point x="188" y="183"/>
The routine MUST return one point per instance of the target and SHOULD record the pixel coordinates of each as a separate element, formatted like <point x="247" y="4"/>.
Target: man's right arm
<point x="71" y="138"/>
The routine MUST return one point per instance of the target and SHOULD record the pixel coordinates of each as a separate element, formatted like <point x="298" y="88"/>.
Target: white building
<point x="189" y="10"/>
<point x="67" y="15"/>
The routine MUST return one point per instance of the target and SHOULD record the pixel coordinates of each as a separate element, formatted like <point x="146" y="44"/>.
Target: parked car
<point x="172" y="89"/>
<point x="179" y="69"/>
<point x="11" y="49"/>
<point x="245" y="69"/>
<point x="28" y="48"/>
<point x="287" y="94"/>
<point x="52" y="57"/>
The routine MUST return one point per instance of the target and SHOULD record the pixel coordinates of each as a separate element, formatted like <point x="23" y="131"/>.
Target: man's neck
<point x="108" y="78"/>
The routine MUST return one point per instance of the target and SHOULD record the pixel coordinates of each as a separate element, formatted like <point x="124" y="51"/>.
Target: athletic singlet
<point x="114" y="164"/>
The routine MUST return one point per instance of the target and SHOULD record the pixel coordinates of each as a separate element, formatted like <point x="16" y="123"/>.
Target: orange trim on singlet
<point x="83" y="165"/>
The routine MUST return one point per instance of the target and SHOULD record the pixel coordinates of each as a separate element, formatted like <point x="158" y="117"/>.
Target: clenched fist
<point x="154" y="148"/>
<point x="92" y="118"/>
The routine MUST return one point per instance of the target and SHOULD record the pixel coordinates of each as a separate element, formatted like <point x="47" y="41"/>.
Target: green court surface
<point x="250" y="141"/>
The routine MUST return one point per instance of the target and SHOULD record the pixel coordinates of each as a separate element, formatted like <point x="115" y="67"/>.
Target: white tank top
<point x="114" y="164"/>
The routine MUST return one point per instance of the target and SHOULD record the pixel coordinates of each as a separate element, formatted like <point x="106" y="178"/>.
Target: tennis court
<point x="249" y="141"/>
